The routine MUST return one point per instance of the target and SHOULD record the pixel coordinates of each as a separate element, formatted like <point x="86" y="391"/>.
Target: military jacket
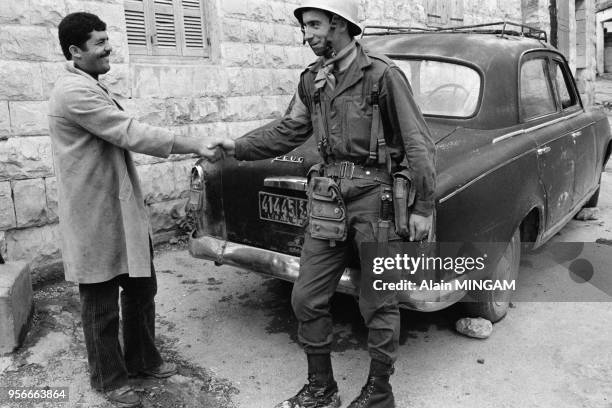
<point x="346" y="114"/>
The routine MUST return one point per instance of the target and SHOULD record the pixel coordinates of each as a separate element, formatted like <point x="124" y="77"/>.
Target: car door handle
<point x="543" y="150"/>
<point x="576" y="134"/>
<point x="288" y="182"/>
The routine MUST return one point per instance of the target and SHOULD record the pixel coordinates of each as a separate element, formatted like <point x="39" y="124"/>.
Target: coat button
<point x="336" y="210"/>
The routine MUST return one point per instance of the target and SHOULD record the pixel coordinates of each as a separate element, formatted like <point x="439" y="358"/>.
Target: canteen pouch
<point x="327" y="211"/>
<point x="403" y="198"/>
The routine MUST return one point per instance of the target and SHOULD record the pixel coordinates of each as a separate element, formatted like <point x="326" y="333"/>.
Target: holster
<point x="327" y="211"/>
<point x="403" y="199"/>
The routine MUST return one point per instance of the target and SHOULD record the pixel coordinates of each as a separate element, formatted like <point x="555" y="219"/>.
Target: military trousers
<point x="321" y="267"/>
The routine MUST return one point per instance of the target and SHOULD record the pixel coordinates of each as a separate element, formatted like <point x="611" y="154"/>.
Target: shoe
<point x="314" y="395"/>
<point x="164" y="370"/>
<point x="376" y="393"/>
<point x="123" y="397"/>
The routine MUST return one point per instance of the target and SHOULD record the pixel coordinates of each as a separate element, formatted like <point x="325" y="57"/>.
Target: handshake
<point x="217" y="149"/>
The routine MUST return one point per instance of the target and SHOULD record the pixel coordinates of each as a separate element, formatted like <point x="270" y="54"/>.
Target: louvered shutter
<point x="194" y="38"/>
<point x="456" y="12"/>
<point x="135" y="20"/>
<point x="165" y="38"/>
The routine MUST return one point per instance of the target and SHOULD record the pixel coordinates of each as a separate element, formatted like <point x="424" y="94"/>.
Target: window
<point x="166" y="27"/>
<point x="442" y="88"/>
<point x="562" y="82"/>
<point x="536" y="96"/>
<point x="442" y="13"/>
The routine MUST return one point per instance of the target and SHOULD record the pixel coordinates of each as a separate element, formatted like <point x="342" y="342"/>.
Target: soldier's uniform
<point x="338" y="111"/>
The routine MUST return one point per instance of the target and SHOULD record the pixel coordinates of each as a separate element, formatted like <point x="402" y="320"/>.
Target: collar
<point x="74" y="70"/>
<point x="360" y="57"/>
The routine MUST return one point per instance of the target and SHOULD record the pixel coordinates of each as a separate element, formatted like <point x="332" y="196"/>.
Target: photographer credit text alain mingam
<point x="405" y="263"/>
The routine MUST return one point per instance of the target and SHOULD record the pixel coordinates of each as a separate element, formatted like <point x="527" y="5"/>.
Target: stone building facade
<point x="240" y="73"/>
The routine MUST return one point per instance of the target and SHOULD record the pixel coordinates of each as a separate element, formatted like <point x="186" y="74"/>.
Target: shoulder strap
<point x="379" y="154"/>
<point x="323" y="143"/>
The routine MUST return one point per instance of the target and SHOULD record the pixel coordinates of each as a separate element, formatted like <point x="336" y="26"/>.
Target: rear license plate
<point x="283" y="209"/>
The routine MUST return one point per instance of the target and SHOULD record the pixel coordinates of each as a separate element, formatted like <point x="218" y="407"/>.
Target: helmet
<point x="347" y="9"/>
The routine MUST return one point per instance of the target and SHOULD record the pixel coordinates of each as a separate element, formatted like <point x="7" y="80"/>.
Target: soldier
<point x="361" y="110"/>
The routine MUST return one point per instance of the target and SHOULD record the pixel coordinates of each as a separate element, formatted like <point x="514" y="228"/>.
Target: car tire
<point x="493" y="305"/>
<point x="592" y="203"/>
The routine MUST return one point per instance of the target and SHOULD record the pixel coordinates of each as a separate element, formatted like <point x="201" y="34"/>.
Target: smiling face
<point x="317" y="29"/>
<point x="94" y="57"/>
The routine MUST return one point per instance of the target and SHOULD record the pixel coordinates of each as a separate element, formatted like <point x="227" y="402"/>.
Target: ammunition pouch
<point x="403" y="199"/>
<point x="327" y="211"/>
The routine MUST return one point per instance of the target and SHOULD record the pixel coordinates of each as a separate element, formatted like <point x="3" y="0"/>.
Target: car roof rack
<point x="507" y="28"/>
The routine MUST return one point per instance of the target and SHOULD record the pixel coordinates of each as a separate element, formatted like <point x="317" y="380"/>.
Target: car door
<point x="579" y="126"/>
<point x="544" y="121"/>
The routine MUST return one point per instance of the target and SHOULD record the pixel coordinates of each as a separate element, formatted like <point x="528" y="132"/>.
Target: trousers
<point x="321" y="267"/>
<point x="108" y="365"/>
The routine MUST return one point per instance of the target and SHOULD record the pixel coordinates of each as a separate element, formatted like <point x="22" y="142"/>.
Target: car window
<point x="442" y="88"/>
<point x="563" y="86"/>
<point x="536" y="95"/>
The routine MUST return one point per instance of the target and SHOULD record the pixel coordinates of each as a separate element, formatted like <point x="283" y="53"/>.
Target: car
<point x="518" y="155"/>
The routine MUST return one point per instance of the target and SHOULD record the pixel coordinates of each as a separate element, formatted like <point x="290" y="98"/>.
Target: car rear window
<point x="442" y="88"/>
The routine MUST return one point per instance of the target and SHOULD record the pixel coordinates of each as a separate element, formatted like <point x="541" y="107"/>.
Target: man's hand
<point x="420" y="226"/>
<point x="217" y="148"/>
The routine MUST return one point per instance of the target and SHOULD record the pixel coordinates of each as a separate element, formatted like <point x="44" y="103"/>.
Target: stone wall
<point x="256" y="57"/>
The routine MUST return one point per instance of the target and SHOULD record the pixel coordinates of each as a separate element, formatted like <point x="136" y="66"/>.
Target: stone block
<point x="243" y="108"/>
<point x="147" y="110"/>
<point x="236" y="54"/>
<point x="52" y="203"/>
<point x="234" y="8"/>
<point x="30" y="202"/>
<point x="296" y="57"/>
<point x="112" y="13"/>
<point x="16" y="304"/>
<point x="36" y="12"/>
<point x="20" y="81"/>
<point x="29" y="118"/>
<point x="207" y="131"/>
<point x="250" y="81"/>
<point x="276" y="56"/>
<point x="259" y="55"/>
<point x="281" y="12"/>
<point x="39" y="246"/>
<point x="159" y="182"/>
<point x="260" y="10"/>
<point x="167" y="215"/>
<point x="5" y="120"/>
<point x="232" y="30"/>
<point x="7" y="207"/>
<point x="251" y="31"/>
<point x="177" y="81"/>
<point x="209" y="81"/>
<point x="51" y="71"/>
<point x="3" y="253"/>
<point x="192" y="110"/>
<point x="25" y="158"/>
<point x="286" y="35"/>
<point x="29" y="43"/>
<point x="286" y="81"/>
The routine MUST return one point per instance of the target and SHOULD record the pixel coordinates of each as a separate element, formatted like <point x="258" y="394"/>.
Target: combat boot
<point x="377" y="391"/>
<point x="321" y="390"/>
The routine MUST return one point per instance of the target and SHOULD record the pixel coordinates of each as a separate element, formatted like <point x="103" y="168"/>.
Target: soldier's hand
<point x="420" y="226"/>
<point x="218" y="147"/>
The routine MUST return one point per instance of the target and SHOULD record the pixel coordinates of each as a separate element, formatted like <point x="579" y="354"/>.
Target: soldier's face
<point x="317" y="29"/>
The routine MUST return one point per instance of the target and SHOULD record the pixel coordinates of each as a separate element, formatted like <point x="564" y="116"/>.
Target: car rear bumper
<point x="286" y="267"/>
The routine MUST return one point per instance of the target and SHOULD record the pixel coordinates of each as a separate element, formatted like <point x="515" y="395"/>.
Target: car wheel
<point x="493" y="304"/>
<point x="593" y="200"/>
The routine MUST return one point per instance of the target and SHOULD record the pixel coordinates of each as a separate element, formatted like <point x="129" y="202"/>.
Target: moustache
<point x="105" y="55"/>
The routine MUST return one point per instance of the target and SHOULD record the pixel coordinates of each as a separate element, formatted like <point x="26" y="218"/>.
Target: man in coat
<point x="360" y="109"/>
<point x="105" y="231"/>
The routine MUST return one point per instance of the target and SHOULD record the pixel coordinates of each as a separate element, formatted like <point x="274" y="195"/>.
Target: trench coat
<point x="103" y="221"/>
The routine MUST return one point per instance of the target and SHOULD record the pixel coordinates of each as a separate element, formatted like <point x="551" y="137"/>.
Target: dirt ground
<point x="233" y="335"/>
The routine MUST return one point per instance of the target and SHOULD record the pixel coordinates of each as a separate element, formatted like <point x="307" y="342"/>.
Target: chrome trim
<point x="290" y="183"/>
<point x="536" y="127"/>
<point x="286" y="267"/>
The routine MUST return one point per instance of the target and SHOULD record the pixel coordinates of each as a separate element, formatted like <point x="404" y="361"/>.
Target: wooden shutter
<point x="437" y="13"/>
<point x="194" y="38"/>
<point x="456" y="12"/>
<point x="164" y="25"/>
<point x="137" y="35"/>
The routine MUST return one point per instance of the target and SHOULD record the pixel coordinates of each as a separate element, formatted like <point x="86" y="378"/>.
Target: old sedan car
<point x="517" y="157"/>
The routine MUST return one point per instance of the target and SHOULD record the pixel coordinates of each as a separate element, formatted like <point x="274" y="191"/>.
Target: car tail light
<point x="196" y="190"/>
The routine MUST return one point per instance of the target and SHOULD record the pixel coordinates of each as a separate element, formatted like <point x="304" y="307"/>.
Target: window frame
<point x="546" y="59"/>
<point x="152" y="52"/>
<point x="568" y="81"/>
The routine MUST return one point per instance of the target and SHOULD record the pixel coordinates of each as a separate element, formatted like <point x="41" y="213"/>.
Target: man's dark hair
<point x="75" y="29"/>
